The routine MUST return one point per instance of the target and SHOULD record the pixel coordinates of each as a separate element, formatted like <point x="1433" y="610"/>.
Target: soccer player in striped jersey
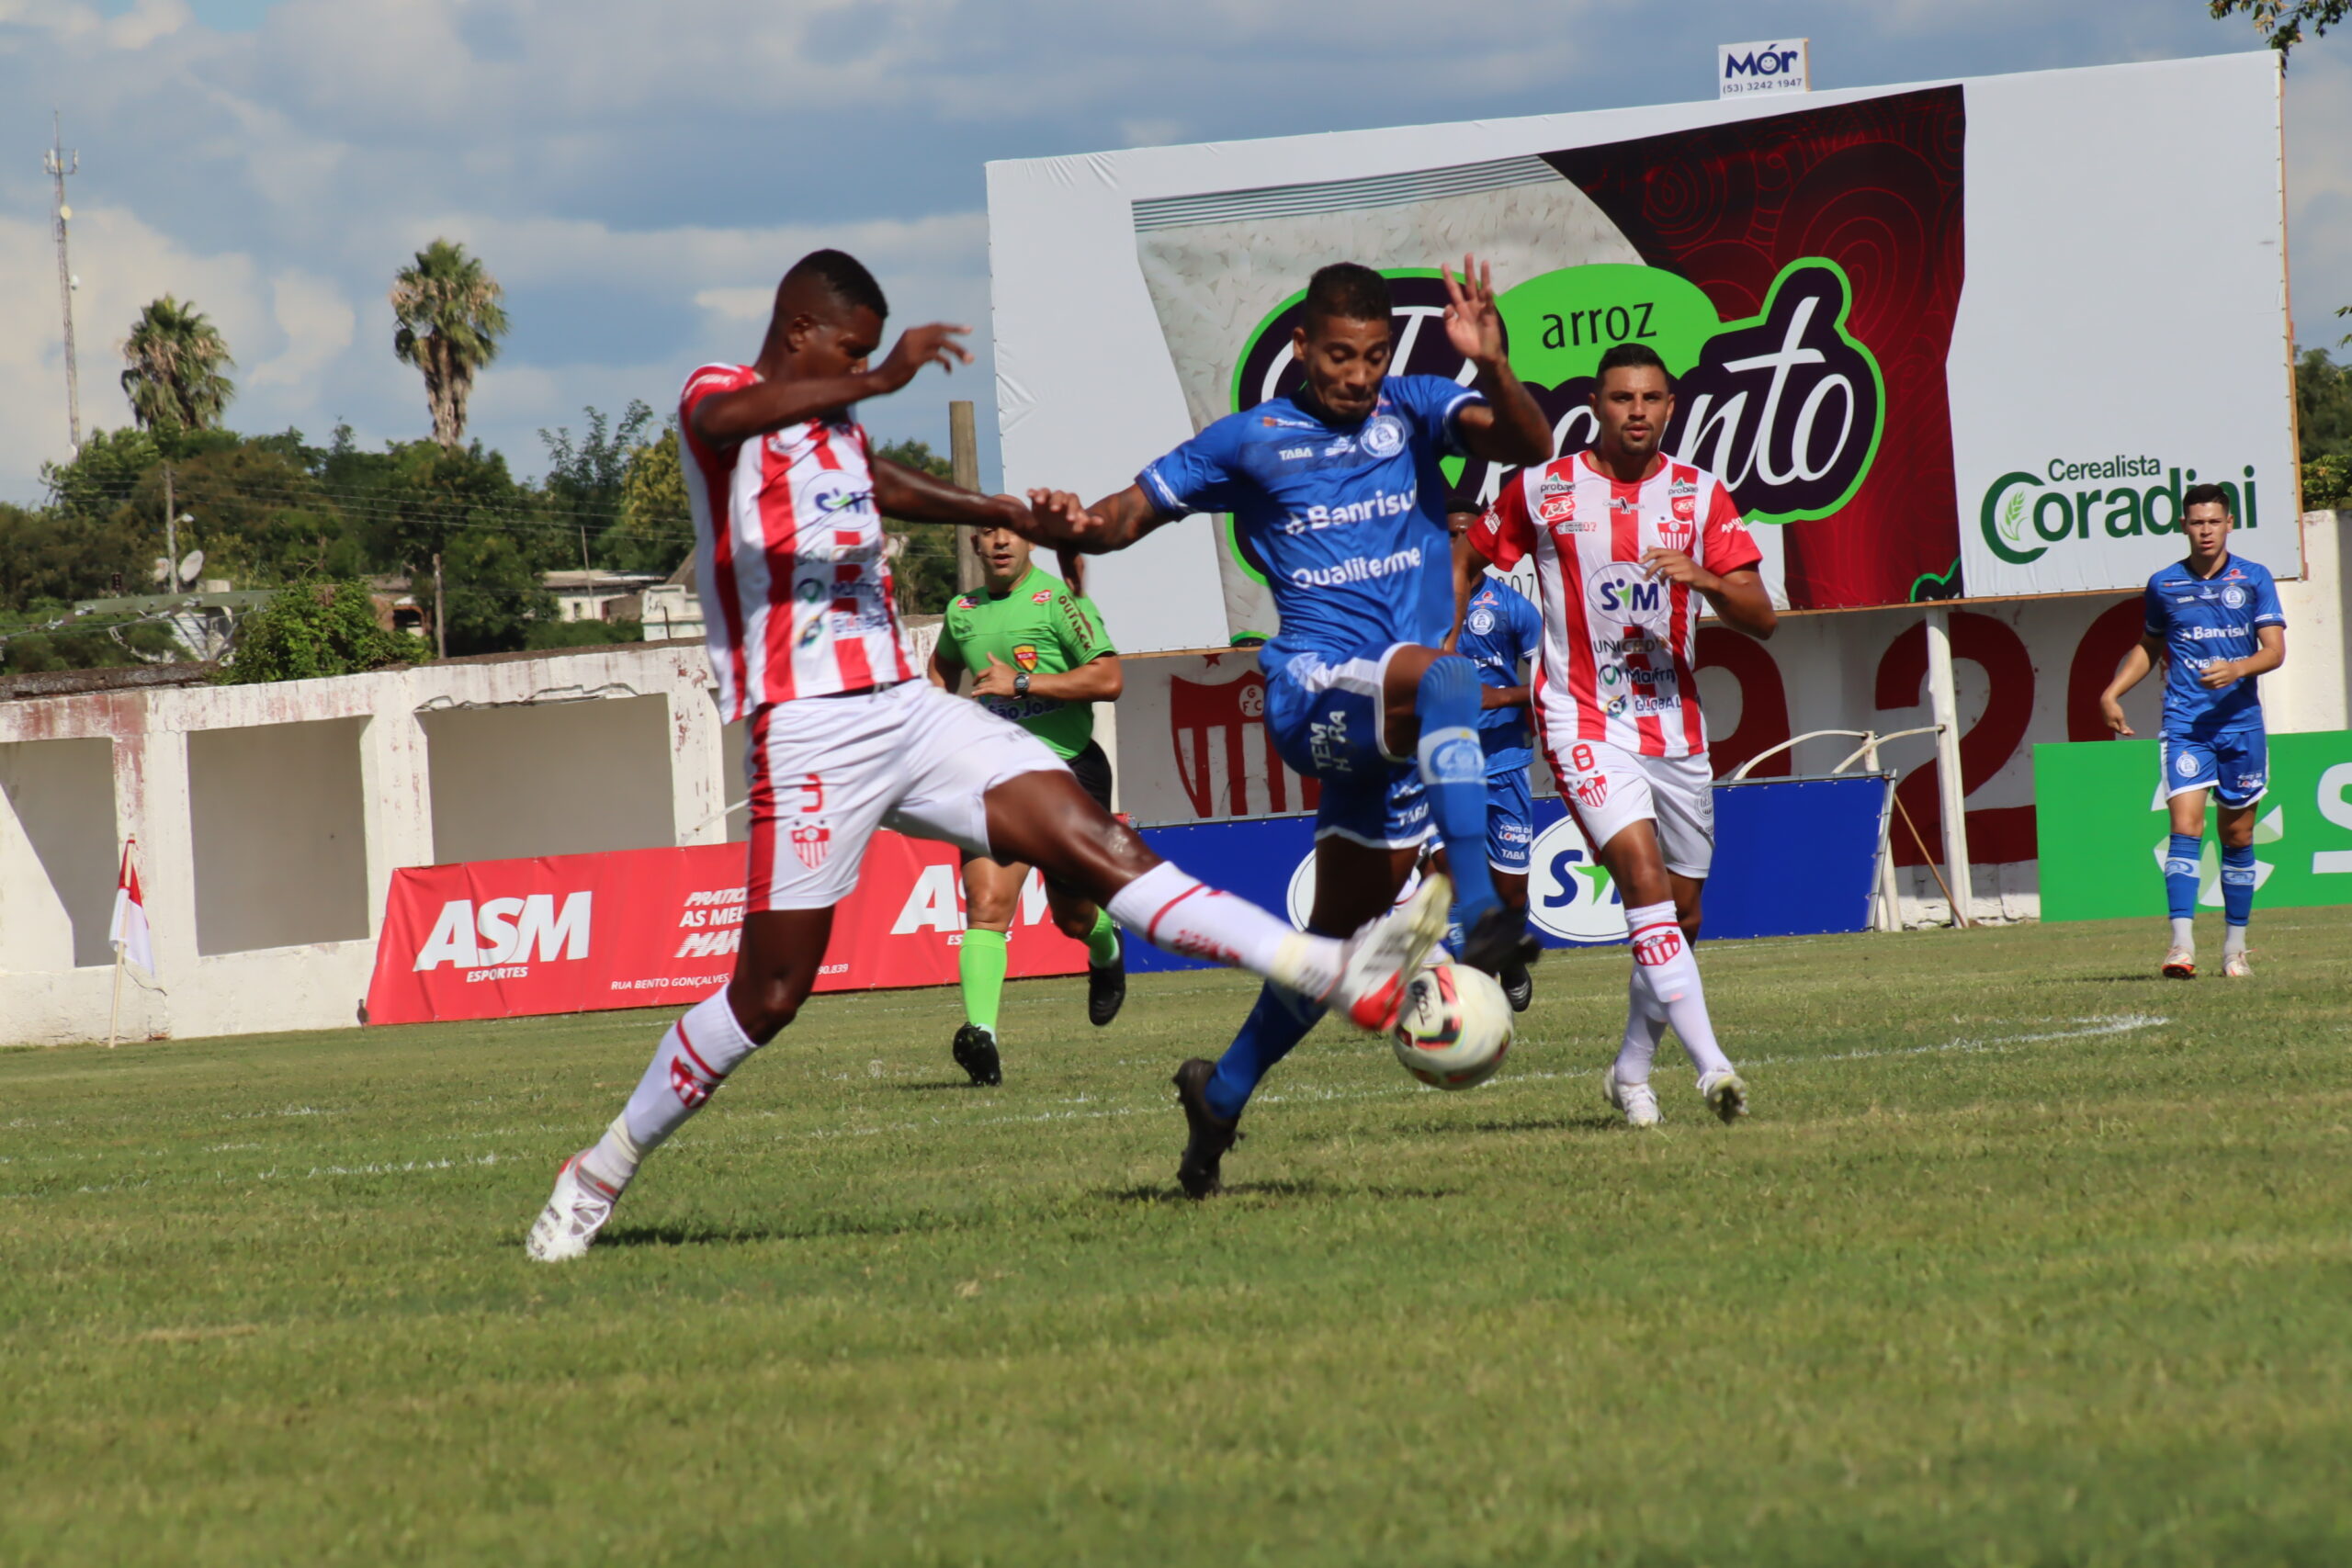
<point x="843" y="736"/>
<point x="1627" y="541"/>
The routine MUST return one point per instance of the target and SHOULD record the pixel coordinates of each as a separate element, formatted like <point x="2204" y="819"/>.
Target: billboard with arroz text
<point x="1961" y="340"/>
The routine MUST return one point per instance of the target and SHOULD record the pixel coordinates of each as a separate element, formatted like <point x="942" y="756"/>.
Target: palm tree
<point x="450" y="323"/>
<point x="175" y="359"/>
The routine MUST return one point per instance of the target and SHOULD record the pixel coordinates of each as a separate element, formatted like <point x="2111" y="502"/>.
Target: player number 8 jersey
<point x="1619" y="646"/>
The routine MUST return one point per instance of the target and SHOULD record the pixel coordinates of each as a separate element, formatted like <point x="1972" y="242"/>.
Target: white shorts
<point x="1619" y="788"/>
<point x="826" y="772"/>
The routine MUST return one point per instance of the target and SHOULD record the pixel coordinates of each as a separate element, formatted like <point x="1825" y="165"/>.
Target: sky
<point x="638" y="177"/>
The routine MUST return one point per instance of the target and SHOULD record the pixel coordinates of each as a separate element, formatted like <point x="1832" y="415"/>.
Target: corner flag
<point x="129" y="931"/>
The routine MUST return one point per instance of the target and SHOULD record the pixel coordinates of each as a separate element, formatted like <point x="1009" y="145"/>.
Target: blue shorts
<point x="1326" y="717"/>
<point x="2234" y="764"/>
<point x="1511" y="820"/>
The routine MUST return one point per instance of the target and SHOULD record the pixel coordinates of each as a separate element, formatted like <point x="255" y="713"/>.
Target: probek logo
<point x="510" y="931"/>
<point x="2026" y="515"/>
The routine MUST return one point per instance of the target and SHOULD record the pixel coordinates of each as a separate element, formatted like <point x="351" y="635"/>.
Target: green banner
<point x="2100" y="815"/>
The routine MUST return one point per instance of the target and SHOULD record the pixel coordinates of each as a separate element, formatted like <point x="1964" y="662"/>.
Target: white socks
<point x="1664" y="966"/>
<point x="693" y="1060"/>
<point x="1645" y="1027"/>
<point x="2183" y="933"/>
<point x="2233" y="941"/>
<point x="1184" y="915"/>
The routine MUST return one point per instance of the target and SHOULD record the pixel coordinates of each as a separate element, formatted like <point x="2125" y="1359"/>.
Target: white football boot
<point x="2180" y="964"/>
<point x="1375" y="962"/>
<point x="2234" y="967"/>
<point x="1635" y="1099"/>
<point x="1725" y="1093"/>
<point x="572" y="1219"/>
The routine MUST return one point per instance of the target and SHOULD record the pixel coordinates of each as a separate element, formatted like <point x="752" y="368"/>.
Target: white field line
<point x="2088" y="1029"/>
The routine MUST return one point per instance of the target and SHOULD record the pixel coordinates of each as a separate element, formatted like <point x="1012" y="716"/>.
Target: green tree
<point x="450" y="318"/>
<point x="315" y="629"/>
<point x="54" y="555"/>
<point x="924" y="566"/>
<point x="655" y="531"/>
<point x="2280" y="22"/>
<point x="177" y="359"/>
<point x="589" y="481"/>
<point x="2323" y="428"/>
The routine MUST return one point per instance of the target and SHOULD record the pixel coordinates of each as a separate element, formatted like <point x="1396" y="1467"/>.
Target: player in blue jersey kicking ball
<point x="2214" y="624"/>
<point x="1337" y="488"/>
<point x="1499" y="630"/>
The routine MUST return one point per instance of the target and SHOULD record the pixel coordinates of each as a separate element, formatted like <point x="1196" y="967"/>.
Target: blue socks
<point x="1280" y="1020"/>
<point x="2181" y="875"/>
<point x="2237" y="884"/>
<point x="1453" y="774"/>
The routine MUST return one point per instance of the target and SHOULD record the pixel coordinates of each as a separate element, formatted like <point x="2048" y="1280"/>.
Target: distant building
<point x="597" y="595"/>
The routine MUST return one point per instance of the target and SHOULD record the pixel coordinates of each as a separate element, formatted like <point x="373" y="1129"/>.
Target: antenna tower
<point x="60" y="163"/>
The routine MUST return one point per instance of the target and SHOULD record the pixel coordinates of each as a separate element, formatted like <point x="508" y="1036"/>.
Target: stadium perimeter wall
<point x="270" y="819"/>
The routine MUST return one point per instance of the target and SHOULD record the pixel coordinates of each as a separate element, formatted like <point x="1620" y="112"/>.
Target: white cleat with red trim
<point x="1375" y="962"/>
<point x="572" y="1219"/>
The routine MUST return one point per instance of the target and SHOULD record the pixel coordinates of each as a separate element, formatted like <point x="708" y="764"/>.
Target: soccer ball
<point x="1455" y="1027"/>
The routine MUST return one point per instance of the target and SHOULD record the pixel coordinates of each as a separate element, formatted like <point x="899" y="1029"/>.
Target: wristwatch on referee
<point x="1021" y="684"/>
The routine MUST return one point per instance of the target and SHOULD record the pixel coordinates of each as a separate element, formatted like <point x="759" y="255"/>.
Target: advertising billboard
<point x="1963" y="340"/>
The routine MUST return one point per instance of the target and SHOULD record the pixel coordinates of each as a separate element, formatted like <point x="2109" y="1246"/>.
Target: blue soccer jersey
<point x="1347" y="522"/>
<point x="2201" y="620"/>
<point x="1499" y="629"/>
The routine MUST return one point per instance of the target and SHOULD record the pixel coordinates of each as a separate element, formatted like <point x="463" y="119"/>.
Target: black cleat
<point x="1501" y="945"/>
<point x="1208" y="1135"/>
<point x="974" y="1051"/>
<point x="1518" y="986"/>
<point x="1106" y="990"/>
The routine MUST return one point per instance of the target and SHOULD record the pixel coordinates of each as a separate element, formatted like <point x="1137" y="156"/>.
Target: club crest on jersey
<point x="1482" y="620"/>
<point x="2233" y="597"/>
<point x="811" y="844"/>
<point x="1025" y="655"/>
<point x="1384" y="435"/>
<point x="1678" y="536"/>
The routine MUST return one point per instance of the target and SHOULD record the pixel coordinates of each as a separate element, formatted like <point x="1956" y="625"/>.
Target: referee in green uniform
<point x="1039" y="656"/>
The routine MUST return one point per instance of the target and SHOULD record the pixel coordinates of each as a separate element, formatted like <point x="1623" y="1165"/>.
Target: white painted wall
<point x="277" y="835"/>
<point x="57" y="853"/>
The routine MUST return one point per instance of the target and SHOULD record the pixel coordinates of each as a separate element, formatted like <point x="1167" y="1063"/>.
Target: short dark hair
<point x="2206" y="495"/>
<point x="843" y="276"/>
<point x="1349" y="289"/>
<point x="1630" y="356"/>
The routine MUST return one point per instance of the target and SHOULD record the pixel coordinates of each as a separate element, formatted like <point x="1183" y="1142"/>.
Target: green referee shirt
<point x="1039" y="627"/>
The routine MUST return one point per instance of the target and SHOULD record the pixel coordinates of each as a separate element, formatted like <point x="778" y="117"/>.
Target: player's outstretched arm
<point x="915" y="497"/>
<point x="2145" y="655"/>
<point x="725" y="418"/>
<point x="1510" y="428"/>
<point x="1058" y="521"/>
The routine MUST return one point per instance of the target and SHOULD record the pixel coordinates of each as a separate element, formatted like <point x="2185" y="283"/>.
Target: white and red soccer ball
<point x="1455" y="1027"/>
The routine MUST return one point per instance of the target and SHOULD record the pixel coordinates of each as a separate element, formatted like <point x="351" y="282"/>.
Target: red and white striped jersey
<point x="1618" y="648"/>
<point x="788" y="559"/>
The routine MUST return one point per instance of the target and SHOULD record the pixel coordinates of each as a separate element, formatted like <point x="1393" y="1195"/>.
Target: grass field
<point x="2024" y="1258"/>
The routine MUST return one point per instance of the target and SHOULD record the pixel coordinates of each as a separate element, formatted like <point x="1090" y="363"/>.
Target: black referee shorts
<point x="1093" y="768"/>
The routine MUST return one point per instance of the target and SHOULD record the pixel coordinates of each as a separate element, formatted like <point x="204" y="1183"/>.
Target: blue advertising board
<point x="1792" y="857"/>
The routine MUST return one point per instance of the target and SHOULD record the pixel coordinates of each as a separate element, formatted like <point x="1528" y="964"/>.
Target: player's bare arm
<point x="1059" y="522"/>
<point x="2146" y="654"/>
<point x="944" y="673"/>
<point x="1099" y="679"/>
<point x="1738" y="598"/>
<point x="787" y="398"/>
<point x="913" y="496"/>
<point x="2268" y="657"/>
<point x="1510" y="428"/>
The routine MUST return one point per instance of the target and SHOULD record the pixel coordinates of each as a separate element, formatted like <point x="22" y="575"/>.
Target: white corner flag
<point x="129" y="933"/>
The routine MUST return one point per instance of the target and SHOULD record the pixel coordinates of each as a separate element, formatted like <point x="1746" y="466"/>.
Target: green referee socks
<point x="1103" y="941"/>
<point x="980" y="967"/>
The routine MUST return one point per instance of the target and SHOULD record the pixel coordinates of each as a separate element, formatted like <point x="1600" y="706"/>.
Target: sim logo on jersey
<point x="1623" y="591"/>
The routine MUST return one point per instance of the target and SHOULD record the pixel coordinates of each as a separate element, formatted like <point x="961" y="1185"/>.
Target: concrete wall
<point x="57" y="853"/>
<point x="270" y="819"/>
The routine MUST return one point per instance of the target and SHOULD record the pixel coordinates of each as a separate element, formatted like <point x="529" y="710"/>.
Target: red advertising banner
<point x="658" y="928"/>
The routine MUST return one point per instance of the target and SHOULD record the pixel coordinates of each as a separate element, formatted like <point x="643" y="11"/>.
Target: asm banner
<point x="1935" y="339"/>
<point x="658" y="928"/>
